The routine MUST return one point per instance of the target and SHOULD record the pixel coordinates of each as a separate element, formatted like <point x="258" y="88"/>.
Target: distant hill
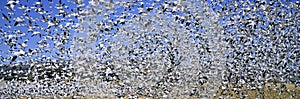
<point x="35" y="70"/>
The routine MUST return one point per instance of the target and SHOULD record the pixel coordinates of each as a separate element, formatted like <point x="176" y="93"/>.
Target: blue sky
<point x="32" y="40"/>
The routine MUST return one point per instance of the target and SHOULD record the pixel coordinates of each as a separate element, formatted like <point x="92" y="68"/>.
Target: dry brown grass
<point x="267" y="92"/>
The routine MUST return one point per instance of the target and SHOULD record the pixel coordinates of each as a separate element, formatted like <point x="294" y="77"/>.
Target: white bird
<point x="36" y="33"/>
<point x="19" y="53"/>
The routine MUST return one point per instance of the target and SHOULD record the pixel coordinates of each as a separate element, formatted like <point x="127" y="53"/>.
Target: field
<point x="290" y="91"/>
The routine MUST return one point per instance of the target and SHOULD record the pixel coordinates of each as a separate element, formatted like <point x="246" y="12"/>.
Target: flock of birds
<point x="155" y="48"/>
